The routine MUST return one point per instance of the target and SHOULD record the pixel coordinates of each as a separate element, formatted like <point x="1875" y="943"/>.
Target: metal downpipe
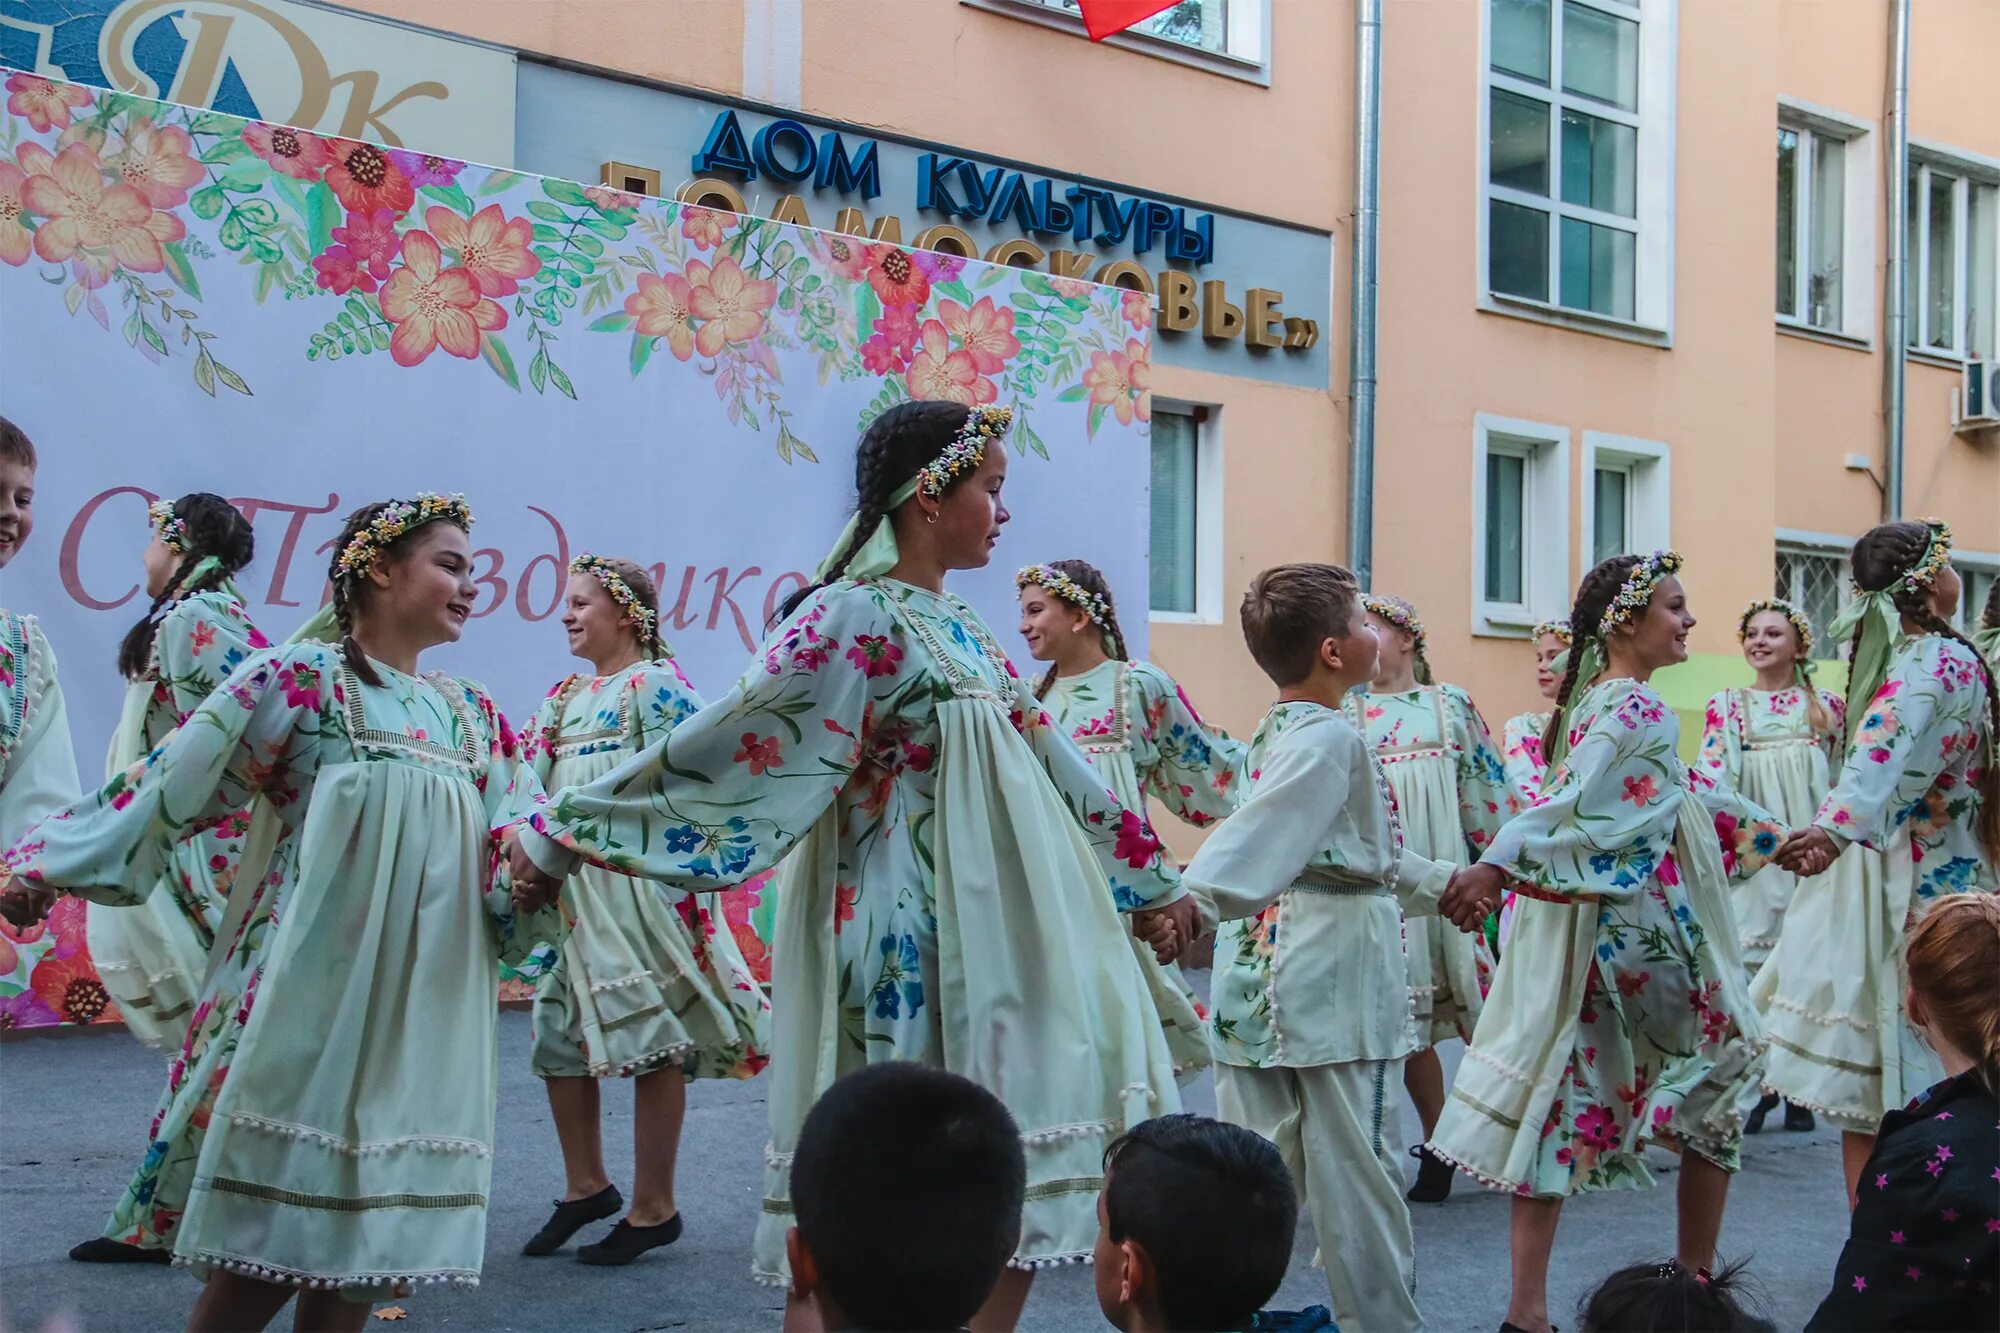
<point x="1894" y="333"/>
<point x="1361" y="300"/>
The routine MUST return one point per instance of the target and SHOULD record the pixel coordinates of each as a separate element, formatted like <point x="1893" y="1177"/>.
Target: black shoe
<point x="104" y="1250"/>
<point x="571" y="1217"/>
<point x="1433" y="1177"/>
<point x="1516" y="1328"/>
<point x="1755" y="1124"/>
<point x="627" y="1242"/>
<point x="1798" y="1119"/>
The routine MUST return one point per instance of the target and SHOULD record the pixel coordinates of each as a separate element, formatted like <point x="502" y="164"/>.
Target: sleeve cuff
<point x="1420" y="882"/>
<point x="550" y="856"/>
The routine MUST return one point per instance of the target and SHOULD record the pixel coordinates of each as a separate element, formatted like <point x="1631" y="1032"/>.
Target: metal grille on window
<point x="1817" y="582"/>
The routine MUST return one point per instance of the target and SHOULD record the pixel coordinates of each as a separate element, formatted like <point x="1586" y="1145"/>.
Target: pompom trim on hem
<point x="1505" y="1071"/>
<point x="1030" y="1265"/>
<point x="1834" y="1113"/>
<point x="1822" y="1018"/>
<point x="464" y="1278"/>
<point x="350" y="1148"/>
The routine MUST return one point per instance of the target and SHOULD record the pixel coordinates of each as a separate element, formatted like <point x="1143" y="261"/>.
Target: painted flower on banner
<point x="299" y="154"/>
<point x="1122" y="383"/>
<point x="730" y="304"/>
<point x="371" y="239"/>
<point x="897" y="279"/>
<point x="158" y="162"/>
<point x="426" y="168"/>
<point x="364" y="178"/>
<point x="47" y="104"/>
<point x="434" y="307"/>
<point x="16" y="241"/>
<point x="985" y="332"/>
<point x="938" y="372"/>
<point x="702" y="226"/>
<point x="846" y="257"/>
<point x="95" y="226"/>
<point x="663" y="307"/>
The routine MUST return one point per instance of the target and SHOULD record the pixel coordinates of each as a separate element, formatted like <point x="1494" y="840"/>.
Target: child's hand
<point x="1809" y="851"/>
<point x="24" y="905"/>
<point x="1170" y="929"/>
<point x="1472" y="896"/>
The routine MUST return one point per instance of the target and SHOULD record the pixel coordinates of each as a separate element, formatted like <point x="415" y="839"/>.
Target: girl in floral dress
<point x="1772" y="742"/>
<point x="37" y="763"/>
<point x="1920" y="785"/>
<point x="648" y="986"/>
<point x="1136" y="727"/>
<point x="1521" y="737"/>
<point x="955" y="866"/>
<point x="327" y="1129"/>
<point x="151" y="954"/>
<point x="1619" y="1014"/>
<point x="1452" y="794"/>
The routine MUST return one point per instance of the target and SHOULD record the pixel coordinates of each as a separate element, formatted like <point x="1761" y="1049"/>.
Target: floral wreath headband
<point x="1559" y="628"/>
<point x="172" y="529"/>
<point x="398" y="519"/>
<point x="1936" y="556"/>
<point x="1789" y="610"/>
<point x="621" y="592"/>
<point x="968" y="451"/>
<point x="1637" y="590"/>
<point x="1401" y="615"/>
<point x="1062" y="585"/>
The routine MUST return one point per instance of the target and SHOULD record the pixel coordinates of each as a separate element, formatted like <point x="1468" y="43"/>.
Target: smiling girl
<point x="342" y="1052"/>
<point x="954" y="868"/>
<point x="1618" y="1015"/>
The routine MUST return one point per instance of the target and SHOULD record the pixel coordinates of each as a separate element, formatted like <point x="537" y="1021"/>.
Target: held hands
<point x="533" y="888"/>
<point x="1809" y="851"/>
<point x="1473" y="895"/>
<point x="23" y="905"/>
<point x="1170" y="929"/>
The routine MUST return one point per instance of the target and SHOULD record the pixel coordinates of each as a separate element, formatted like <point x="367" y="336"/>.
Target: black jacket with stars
<point x="1923" y="1246"/>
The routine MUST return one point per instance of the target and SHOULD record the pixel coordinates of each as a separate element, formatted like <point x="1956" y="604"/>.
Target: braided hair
<point x="651" y="646"/>
<point x="348" y="593"/>
<point x="1091" y="579"/>
<point x="897" y="445"/>
<point x="1586" y="619"/>
<point x="1990" y="617"/>
<point x="1881" y="559"/>
<point x="215" y="528"/>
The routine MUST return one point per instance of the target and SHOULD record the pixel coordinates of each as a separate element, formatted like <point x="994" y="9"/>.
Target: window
<point x="1520" y="478"/>
<point x="1578" y="132"/>
<point x="1954" y="221"/>
<point x="1978" y="574"/>
<point x="1826" y="221"/>
<point x="1627" y="504"/>
<point x="1813" y="575"/>
<point x="1611" y="525"/>
<point x="1186" y="499"/>
<point x="1227" y="36"/>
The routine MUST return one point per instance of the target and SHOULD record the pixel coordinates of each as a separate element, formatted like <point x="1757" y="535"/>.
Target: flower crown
<point x="1637" y="590"/>
<point x="1936" y="556"/>
<point x="967" y="451"/>
<point x="1062" y="585"/>
<point x="172" y="529"/>
<point x="397" y="519"/>
<point x="1789" y="610"/>
<point x="1559" y="628"/>
<point x="621" y="592"/>
<point x="1398" y="613"/>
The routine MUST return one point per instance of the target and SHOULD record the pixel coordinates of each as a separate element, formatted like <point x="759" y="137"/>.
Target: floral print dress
<point x="1521" y="753"/>
<point x="953" y="873"/>
<point x="1144" y="738"/>
<point x="37" y="763"/>
<point x="1832" y="993"/>
<point x="1619" y="1013"/>
<point x="1761" y="742"/>
<point x="151" y="954"/>
<point x="1452" y="794"/>
<point x="647" y="977"/>
<point x="329" y="1119"/>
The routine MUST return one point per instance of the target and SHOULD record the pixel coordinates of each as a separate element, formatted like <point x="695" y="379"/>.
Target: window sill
<point x="1181" y="618"/>
<point x="1604" y="326"/>
<point x="1503" y="624"/>
<point x="1942" y="360"/>
<point x="1794" y="329"/>
<point x="1212" y="62"/>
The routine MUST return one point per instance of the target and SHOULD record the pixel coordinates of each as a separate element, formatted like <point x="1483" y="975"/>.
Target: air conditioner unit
<point x="1979" y="396"/>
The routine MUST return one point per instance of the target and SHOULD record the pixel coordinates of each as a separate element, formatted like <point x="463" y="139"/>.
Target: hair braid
<point x="1593" y="599"/>
<point x="215" y="528"/>
<point x="1990" y="617"/>
<point x="1091" y="579"/>
<point x="343" y="595"/>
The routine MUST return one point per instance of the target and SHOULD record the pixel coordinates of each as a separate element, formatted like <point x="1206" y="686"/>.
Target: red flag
<point x="1102" y="18"/>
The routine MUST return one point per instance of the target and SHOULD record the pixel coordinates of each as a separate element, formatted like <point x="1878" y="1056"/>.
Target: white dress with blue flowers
<point x="951" y="896"/>
<point x="1832" y="992"/>
<point x="37" y="763"/>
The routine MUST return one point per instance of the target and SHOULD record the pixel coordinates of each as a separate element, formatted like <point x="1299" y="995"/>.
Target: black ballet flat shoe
<point x="1755" y="1124"/>
<point x="1798" y="1119"/>
<point x="104" y="1250"/>
<point x="627" y="1242"/>
<point x="570" y="1218"/>
<point x="1433" y="1177"/>
<point x="1516" y="1328"/>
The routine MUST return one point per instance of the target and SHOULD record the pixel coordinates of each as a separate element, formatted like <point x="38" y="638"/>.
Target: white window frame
<point x="1986" y="563"/>
<point x="1247" y="39"/>
<point x="1649" y="502"/>
<point x="1857" y="224"/>
<point x="1545" y="576"/>
<point x="1800" y="541"/>
<point x="1208" y="499"/>
<point x="1653" y="222"/>
<point x="1967" y="169"/>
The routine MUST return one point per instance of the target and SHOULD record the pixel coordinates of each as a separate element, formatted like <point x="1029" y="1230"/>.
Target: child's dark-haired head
<point x="15" y="446"/>
<point x="214" y="534"/>
<point x="1195" y="1224"/>
<point x="1290" y="611"/>
<point x="1666" y="1298"/>
<point x="17" y="489"/>
<point x="907" y="1187"/>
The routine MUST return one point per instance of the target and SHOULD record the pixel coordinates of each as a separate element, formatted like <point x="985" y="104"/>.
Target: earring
<point x="930" y="517"/>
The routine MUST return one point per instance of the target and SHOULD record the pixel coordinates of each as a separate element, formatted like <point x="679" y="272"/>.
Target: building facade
<point x="1632" y="265"/>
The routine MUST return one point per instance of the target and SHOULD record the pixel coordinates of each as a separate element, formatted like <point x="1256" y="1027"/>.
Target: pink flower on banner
<point x="898" y="326"/>
<point x="936" y="372"/>
<point x="26" y="1010"/>
<point x="299" y="154"/>
<point x="371" y="239"/>
<point x="339" y="271"/>
<point x="703" y="226"/>
<point x="1136" y="845"/>
<point x="364" y="178"/>
<point x="1137" y="307"/>
<point x="880" y="357"/>
<point x="610" y="200"/>
<point x="16" y="241"/>
<point x="663" y="307"/>
<point x="158" y="162"/>
<point x="729" y="303"/>
<point x="426" y="168"/>
<point x="937" y="266"/>
<point x="986" y="332"/>
<point x="847" y="256"/>
<point x="1122" y="381"/>
<point x="98" y="226"/>
<point x="489" y="247"/>
<point x="896" y="278"/>
<point x="46" y="104"/>
<point x="432" y="306"/>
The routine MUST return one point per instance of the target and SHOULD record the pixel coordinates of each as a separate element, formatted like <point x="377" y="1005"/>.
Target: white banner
<point x="304" y="324"/>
